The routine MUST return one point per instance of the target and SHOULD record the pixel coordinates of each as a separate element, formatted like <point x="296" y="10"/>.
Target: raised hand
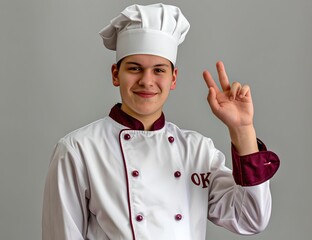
<point x="233" y="106"/>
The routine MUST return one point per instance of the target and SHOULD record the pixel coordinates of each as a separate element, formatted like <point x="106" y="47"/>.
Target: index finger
<point x="223" y="78"/>
<point x="209" y="81"/>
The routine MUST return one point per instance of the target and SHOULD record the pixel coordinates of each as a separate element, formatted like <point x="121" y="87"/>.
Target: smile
<point x="144" y="94"/>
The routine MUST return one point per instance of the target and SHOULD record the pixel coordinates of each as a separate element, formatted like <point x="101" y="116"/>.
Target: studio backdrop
<point x="55" y="77"/>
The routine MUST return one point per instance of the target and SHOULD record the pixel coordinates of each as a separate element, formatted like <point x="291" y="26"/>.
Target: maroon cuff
<point x="255" y="168"/>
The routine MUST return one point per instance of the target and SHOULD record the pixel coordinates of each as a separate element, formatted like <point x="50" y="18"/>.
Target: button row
<point x="136" y="173"/>
<point x="127" y="137"/>
<point x="140" y="218"/>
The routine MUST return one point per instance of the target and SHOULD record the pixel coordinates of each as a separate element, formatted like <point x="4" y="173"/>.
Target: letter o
<point x="195" y="179"/>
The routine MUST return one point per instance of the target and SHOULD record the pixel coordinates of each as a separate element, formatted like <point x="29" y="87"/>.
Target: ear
<point x="174" y="79"/>
<point x="115" y="78"/>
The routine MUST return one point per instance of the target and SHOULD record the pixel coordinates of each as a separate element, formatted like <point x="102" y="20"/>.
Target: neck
<point x="146" y="120"/>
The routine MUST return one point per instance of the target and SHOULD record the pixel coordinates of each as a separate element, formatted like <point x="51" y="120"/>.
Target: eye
<point x="134" y="69"/>
<point x="159" y="70"/>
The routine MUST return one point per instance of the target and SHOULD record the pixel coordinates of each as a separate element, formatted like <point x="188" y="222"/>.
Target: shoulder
<point x="190" y="136"/>
<point x="91" y="132"/>
<point x="86" y="130"/>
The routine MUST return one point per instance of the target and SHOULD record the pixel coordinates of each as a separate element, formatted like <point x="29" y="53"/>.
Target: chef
<point x="134" y="175"/>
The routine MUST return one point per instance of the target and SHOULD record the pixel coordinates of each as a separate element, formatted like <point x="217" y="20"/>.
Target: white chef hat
<point x="155" y="29"/>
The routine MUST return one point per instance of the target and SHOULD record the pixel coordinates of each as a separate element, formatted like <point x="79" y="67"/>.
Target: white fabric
<point x="155" y="29"/>
<point x="90" y="188"/>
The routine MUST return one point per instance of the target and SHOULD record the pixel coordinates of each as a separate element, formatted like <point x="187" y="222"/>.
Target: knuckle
<point x="236" y="84"/>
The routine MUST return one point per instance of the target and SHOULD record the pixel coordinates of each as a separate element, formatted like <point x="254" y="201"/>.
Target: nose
<point x="146" y="78"/>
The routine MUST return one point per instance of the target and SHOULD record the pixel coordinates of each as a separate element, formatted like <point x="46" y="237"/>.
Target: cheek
<point x="165" y="88"/>
<point x="122" y="89"/>
<point x="125" y="89"/>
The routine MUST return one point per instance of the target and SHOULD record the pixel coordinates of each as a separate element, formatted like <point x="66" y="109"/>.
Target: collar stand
<point x="124" y="119"/>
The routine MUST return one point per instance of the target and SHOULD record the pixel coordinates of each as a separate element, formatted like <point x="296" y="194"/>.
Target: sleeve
<point x="241" y="208"/>
<point x="256" y="168"/>
<point x="64" y="213"/>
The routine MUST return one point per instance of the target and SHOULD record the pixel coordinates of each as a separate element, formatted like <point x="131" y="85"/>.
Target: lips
<point x="145" y="94"/>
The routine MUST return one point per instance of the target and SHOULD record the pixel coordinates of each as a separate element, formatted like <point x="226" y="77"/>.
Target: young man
<point x="133" y="175"/>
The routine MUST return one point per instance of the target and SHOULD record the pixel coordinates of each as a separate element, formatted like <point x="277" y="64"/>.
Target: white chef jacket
<point x="113" y="180"/>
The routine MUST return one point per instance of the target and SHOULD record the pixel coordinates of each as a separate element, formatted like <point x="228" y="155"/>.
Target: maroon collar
<point x="124" y="119"/>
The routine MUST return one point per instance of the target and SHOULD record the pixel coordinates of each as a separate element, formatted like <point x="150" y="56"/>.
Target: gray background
<point x="55" y="77"/>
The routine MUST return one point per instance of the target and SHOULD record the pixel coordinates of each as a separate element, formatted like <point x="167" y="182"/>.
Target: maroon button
<point x="178" y="217"/>
<point x="139" y="218"/>
<point x="127" y="136"/>
<point x="135" y="173"/>
<point x="171" y="139"/>
<point x="177" y="174"/>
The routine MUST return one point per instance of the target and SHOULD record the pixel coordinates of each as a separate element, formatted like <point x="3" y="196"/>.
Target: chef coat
<point x="113" y="180"/>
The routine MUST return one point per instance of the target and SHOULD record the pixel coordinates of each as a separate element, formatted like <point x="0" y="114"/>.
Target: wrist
<point x="244" y="139"/>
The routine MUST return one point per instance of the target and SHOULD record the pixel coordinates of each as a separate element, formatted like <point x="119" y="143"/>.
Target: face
<point x="144" y="82"/>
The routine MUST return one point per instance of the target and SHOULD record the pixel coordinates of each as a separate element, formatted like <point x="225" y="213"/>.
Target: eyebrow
<point x="156" y="65"/>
